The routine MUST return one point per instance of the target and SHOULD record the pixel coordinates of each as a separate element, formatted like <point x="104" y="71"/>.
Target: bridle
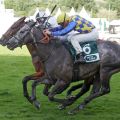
<point x="44" y="40"/>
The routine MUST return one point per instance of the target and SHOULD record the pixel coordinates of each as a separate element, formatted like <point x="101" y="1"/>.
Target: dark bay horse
<point x="32" y="50"/>
<point x="58" y="64"/>
<point x="37" y="63"/>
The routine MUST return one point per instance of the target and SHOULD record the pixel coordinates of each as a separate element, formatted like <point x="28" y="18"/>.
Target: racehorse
<point x="37" y="63"/>
<point x="32" y="50"/>
<point x="58" y="64"/>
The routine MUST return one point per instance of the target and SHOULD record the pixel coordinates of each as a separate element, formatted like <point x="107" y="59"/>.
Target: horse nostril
<point x="2" y="42"/>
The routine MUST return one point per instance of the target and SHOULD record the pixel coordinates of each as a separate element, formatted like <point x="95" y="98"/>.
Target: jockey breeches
<point x="76" y="37"/>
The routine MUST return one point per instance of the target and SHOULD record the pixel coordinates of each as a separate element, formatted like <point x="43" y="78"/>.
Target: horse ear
<point x="22" y="19"/>
<point x="19" y="22"/>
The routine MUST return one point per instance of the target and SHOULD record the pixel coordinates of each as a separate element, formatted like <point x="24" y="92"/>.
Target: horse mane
<point x="14" y="27"/>
<point x="18" y="22"/>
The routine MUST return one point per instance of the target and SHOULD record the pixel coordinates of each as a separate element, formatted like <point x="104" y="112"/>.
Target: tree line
<point x="105" y="8"/>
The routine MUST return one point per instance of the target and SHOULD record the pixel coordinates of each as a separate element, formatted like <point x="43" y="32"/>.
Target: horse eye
<point x="22" y="31"/>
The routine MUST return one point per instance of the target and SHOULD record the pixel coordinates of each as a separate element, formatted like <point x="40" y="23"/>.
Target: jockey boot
<point x="80" y="58"/>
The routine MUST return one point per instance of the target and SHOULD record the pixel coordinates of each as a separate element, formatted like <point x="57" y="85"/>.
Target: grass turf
<point x="13" y="106"/>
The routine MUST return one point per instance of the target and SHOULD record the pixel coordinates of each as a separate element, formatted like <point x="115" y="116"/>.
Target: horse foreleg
<point x="43" y="80"/>
<point x="25" y="90"/>
<point x="26" y="79"/>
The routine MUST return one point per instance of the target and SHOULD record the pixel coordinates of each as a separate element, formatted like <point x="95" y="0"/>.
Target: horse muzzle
<point x="12" y="44"/>
<point x="3" y="42"/>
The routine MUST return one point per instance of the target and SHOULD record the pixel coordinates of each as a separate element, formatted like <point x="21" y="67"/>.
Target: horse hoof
<point x="37" y="104"/>
<point x="61" y="107"/>
<point x="71" y="113"/>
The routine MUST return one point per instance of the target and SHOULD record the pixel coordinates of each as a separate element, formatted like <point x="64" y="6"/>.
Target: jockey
<point x="41" y="18"/>
<point x="84" y="31"/>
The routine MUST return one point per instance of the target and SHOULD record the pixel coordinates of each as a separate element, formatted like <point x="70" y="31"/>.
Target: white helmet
<point x="41" y="14"/>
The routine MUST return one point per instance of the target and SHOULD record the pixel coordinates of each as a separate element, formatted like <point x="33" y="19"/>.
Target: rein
<point x="46" y="39"/>
<point x="42" y="41"/>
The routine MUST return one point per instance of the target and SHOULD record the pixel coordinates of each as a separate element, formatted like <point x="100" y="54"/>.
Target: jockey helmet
<point x="41" y="14"/>
<point x="62" y="17"/>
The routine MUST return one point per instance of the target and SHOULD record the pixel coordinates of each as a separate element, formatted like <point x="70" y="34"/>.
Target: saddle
<point x="89" y="48"/>
<point x="90" y="55"/>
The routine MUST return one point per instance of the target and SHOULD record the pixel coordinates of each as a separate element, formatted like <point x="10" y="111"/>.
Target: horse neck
<point x="31" y="49"/>
<point x="47" y="50"/>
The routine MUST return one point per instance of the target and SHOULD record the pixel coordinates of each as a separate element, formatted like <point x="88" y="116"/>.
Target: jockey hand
<point x="47" y="31"/>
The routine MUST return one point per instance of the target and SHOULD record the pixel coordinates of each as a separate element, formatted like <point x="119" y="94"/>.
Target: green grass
<point x="13" y="106"/>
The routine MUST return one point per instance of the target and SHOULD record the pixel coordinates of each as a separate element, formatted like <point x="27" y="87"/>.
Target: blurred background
<point x="104" y="14"/>
<point x="14" y="65"/>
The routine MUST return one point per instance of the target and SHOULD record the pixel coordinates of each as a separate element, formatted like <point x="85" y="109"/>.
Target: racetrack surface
<point x="13" y="106"/>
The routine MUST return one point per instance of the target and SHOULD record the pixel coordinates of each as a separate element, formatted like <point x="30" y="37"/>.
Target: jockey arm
<point x="66" y="30"/>
<point x="56" y="28"/>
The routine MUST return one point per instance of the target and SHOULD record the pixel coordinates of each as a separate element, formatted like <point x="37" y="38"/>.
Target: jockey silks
<point x="76" y="23"/>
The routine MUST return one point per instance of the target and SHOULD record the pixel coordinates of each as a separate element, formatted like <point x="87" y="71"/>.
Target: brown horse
<point x="32" y="50"/>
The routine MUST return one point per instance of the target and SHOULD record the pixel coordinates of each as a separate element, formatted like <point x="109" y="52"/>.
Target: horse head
<point x="12" y="30"/>
<point x="27" y="34"/>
